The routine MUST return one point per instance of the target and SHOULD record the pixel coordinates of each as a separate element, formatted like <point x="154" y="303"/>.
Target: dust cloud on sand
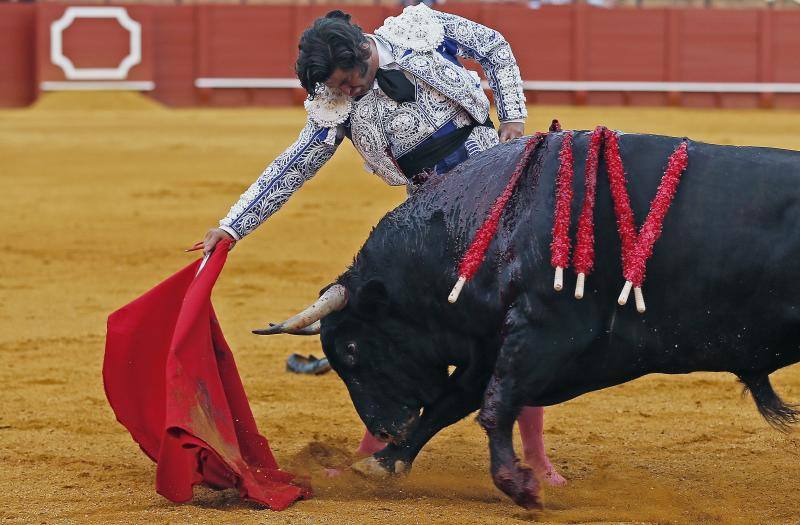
<point x="100" y="196"/>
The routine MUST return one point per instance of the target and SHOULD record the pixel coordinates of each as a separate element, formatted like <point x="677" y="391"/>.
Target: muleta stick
<point x="560" y="245"/>
<point x="476" y="252"/>
<point x="583" y="261"/>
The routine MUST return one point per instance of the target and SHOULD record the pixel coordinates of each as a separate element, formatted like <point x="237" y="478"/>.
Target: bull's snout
<point x="396" y="433"/>
<point x="394" y="436"/>
<point x="384" y="436"/>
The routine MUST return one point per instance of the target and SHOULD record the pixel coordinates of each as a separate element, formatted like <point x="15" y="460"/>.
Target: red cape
<point x="171" y="379"/>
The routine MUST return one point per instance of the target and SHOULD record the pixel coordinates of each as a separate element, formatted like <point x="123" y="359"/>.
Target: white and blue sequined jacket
<point x="424" y="44"/>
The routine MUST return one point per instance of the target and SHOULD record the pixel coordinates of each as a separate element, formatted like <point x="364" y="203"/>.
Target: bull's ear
<point x="372" y="297"/>
<point x="325" y="289"/>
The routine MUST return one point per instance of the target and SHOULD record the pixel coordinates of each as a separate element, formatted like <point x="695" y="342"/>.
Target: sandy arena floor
<point x="100" y="195"/>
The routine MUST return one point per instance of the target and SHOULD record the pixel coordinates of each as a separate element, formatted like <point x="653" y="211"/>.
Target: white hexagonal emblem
<point x="73" y="73"/>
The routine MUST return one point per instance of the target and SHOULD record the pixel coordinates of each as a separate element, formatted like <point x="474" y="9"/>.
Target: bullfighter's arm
<point x="284" y="176"/>
<point x="493" y="53"/>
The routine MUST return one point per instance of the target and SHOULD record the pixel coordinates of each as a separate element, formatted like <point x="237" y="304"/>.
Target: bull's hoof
<point x="374" y="468"/>
<point x="520" y="484"/>
<point x="371" y="468"/>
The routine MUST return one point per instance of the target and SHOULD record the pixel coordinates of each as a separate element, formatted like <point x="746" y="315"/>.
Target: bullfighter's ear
<point x="372" y="296"/>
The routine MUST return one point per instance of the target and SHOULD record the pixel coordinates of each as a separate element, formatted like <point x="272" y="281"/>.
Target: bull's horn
<point x="312" y="329"/>
<point x="334" y="298"/>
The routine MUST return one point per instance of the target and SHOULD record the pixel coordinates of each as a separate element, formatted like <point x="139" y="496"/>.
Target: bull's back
<point x="721" y="280"/>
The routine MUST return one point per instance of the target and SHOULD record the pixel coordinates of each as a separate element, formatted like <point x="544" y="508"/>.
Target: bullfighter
<point x="411" y="110"/>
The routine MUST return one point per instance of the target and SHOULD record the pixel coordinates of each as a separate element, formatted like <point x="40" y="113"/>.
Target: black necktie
<point x="395" y="84"/>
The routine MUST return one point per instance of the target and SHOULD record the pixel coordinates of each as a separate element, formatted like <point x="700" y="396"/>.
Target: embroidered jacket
<point x="424" y="44"/>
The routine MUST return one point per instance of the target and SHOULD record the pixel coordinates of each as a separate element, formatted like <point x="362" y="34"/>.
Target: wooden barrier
<point x="17" y="61"/>
<point x="237" y="55"/>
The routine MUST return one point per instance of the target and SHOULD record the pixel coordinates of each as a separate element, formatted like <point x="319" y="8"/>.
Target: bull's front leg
<point x="501" y="406"/>
<point x="397" y="458"/>
<point x="497" y="418"/>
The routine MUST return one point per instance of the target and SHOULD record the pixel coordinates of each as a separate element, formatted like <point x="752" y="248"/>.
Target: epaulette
<point x="329" y="107"/>
<point x="416" y="28"/>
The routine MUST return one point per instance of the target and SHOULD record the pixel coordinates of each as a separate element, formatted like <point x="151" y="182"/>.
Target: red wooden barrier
<point x="174" y="37"/>
<point x="565" y="53"/>
<point x="17" y="70"/>
<point x="783" y="48"/>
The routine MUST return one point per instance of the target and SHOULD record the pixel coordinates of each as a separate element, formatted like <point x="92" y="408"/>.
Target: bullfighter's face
<point x="355" y="82"/>
<point x="381" y="360"/>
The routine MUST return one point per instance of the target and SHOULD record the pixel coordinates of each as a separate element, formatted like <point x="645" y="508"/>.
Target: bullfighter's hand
<point x="213" y="236"/>
<point x="511" y="130"/>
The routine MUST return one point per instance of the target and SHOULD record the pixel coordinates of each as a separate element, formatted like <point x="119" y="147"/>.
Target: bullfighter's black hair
<point x="333" y="42"/>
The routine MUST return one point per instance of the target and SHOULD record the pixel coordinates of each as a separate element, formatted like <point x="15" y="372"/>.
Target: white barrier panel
<point x="124" y="85"/>
<point x="73" y="73"/>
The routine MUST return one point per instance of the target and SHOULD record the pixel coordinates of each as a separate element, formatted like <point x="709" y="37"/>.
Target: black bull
<point x="722" y="292"/>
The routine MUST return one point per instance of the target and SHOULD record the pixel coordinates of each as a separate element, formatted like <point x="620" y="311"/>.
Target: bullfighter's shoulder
<point x="329" y="107"/>
<point x="416" y="28"/>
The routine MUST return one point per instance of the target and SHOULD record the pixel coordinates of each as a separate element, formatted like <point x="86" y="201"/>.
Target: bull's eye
<point x="349" y="356"/>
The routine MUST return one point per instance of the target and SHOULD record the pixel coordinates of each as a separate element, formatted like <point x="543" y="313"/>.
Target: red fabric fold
<point x="171" y="380"/>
